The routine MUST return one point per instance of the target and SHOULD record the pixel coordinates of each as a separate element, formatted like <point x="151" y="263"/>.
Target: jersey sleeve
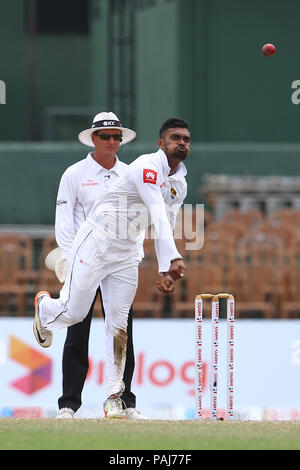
<point x="147" y="180"/>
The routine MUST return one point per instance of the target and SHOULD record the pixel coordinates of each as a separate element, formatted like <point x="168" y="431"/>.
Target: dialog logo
<point x="38" y="365"/>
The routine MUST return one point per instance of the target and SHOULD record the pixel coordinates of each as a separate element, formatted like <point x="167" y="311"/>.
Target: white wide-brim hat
<point x="106" y="121"/>
<point x="52" y="257"/>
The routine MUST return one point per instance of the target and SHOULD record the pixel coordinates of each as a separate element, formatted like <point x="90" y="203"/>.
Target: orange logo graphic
<point x="39" y="365"/>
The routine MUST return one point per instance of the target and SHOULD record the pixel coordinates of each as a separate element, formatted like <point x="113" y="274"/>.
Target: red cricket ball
<point x="268" y="50"/>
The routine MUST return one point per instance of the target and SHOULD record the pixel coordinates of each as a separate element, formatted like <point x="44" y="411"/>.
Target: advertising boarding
<point x="266" y="369"/>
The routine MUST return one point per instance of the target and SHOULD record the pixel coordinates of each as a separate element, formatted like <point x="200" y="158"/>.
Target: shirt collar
<point x="181" y="169"/>
<point x="180" y="172"/>
<point x="164" y="162"/>
<point x="96" y="167"/>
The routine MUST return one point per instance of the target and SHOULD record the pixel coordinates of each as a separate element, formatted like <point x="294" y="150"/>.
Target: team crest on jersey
<point x="173" y="193"/>
<point x="150" y="176"/>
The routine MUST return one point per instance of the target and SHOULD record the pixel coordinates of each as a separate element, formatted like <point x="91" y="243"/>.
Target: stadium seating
<point x="254" y="258"/>
<point x="290" y="305"/>
<point x="250" y="218"/>
<point x="259" y="262"/>
<point x="16" y="273"/>
<point x="287" y="217"/>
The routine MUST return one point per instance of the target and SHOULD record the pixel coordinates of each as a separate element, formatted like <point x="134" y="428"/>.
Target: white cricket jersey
<point x="80" y="185"/>
<point x="139" y="198"/>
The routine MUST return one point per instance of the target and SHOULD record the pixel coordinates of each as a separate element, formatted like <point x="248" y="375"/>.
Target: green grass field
<point x="92" y="434"/>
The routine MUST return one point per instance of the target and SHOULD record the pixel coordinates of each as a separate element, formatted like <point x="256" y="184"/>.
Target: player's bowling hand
<point x="176" y="270"/>
<point x="166" y="285"/>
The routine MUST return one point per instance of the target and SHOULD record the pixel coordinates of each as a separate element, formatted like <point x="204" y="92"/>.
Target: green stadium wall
<point x="30" y="172"/>
<point x="198" y="59"/>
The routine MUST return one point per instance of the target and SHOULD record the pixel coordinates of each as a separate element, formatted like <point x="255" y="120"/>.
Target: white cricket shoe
<point x="65" y="413"/>
<point x="44" y="337"/>
<point x="133" y="413"/>
<point x="113" y="408"/>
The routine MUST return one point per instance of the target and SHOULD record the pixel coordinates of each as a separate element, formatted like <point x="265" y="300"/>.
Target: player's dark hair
<point x="173" y="122"/>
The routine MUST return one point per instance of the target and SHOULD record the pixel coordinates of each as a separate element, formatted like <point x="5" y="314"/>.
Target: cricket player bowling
<point x="105" y="249"/>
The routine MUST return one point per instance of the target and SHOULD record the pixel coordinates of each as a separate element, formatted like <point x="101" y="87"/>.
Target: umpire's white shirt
<point x="80" y="185"/>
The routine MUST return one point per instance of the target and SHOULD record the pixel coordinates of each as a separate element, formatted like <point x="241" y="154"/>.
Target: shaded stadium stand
<point x="16" y="273"/>
<point x="234" y="230"/>
<point x="255" y="259"/>
<point x="286" y="233"/>
<point x="290" y="305"/>
<point x="250" y="218"/>
<point x="260" y="261"/>
<point x="211" y="269"/>
<point x="286" y="217"/>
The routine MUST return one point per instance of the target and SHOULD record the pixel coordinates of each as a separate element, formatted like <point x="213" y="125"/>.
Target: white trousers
<point x="116" y="272"/>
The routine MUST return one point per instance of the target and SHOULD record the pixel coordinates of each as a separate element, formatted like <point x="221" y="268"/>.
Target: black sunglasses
<point x="116" y="137"/>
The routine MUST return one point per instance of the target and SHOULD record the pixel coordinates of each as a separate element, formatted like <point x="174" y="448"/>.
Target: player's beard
<point x="180" y="153"/>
